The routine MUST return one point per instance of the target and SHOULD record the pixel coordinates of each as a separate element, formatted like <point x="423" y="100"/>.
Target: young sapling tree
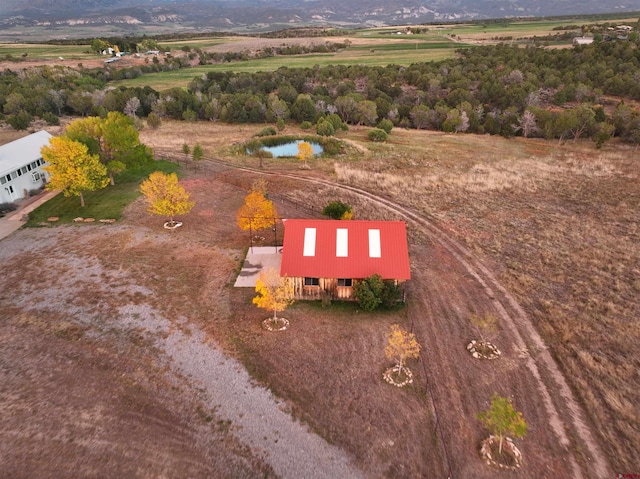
<point x="274" y="292"/>
<point x="401" y="345"/>
<point x="165" y="197"/>
<point x="503" y="420"/>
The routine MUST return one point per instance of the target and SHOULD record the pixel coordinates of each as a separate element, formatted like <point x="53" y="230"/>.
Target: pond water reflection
<point x="291" y="149"/>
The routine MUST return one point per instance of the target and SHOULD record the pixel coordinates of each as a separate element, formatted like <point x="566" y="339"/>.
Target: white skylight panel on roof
<point x="374" y="244"/>
<point x="342" y="242"/>
<point x="309" y="248"/>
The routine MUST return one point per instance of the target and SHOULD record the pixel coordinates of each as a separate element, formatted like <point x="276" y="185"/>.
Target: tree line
<point x="502" y="90"/>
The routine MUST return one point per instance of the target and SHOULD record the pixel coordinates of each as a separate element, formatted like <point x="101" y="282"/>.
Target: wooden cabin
<point x="328" y="257"/>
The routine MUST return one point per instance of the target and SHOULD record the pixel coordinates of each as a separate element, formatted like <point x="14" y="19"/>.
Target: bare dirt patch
<point x="77" y="405"/>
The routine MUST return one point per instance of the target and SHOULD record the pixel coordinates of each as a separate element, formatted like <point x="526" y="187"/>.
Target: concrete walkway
<point x="15" y="219"/>
<point x="258" y="258"/>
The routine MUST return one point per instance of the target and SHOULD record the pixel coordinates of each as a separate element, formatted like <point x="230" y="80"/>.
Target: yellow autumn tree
<point x="114" y="139"/>
<point x="305" y="151"/>
<point x="401" y="345"/>
<point x="73" y="169"/>
<point x="164" y="196"/>
<point x="274" y="292"/>
<point x="258" y="212"/>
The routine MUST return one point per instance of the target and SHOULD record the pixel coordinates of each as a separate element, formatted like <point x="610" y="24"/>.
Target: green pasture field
<point x="398" y="52"/>
<point x="107" y="203"/>
<point x="37" y="51"/>
<point x="524" y="28"/>
<point x="408" y="46"/>
<point x="198" y="42"/>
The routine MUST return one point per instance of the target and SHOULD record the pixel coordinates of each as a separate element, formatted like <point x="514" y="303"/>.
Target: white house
<point x="21" y="166"/>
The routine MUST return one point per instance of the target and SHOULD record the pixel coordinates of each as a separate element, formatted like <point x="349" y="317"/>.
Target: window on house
<point x="345" y="282"/>
<point x="14" y="175"/>
<point x="24" y="169"/>
<point x="35" y="176"/>
<point x="19" y="172"/>
<point x="3" y="180"/>
<point x="312" y="281"/>
<point x="33" y="164"/>
<point x="29" y="167"/>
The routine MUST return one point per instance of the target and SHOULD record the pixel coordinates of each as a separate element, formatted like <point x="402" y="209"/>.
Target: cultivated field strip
<point x="565" y="417"/>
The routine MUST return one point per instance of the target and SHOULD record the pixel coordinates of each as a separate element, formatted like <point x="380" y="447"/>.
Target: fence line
<point x="230" y="176"/>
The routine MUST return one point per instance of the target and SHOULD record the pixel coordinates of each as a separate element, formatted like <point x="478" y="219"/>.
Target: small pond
<point x="291" y="149"/>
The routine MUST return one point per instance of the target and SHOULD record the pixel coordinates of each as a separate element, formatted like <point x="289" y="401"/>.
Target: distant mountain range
<point x="256" y="15"/>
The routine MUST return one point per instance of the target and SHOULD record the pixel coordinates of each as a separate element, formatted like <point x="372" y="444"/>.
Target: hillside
<point x="64" y="17"/>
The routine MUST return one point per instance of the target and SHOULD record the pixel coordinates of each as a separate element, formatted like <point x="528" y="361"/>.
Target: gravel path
<point x="257" y="417"/>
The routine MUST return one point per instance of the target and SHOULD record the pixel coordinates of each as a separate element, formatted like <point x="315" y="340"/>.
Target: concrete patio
<point x="258" y="258"/>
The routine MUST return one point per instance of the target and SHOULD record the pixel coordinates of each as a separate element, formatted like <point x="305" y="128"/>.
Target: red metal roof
<point x="316" y="249"/>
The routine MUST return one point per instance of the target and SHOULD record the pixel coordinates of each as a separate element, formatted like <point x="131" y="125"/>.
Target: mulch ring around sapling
<point x="509" y="458"/>
<point x="483" y="350"/>
<point x="275" y="324"/>
<point x="398" y="376"/>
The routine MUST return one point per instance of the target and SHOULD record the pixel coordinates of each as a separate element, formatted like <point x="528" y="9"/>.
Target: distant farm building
<point x="21" y="166"/>
<point x="583" y="40"/>
<point x="328" y="257"/>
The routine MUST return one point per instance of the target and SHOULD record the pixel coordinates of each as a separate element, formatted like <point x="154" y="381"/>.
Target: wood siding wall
<point x="328" y="285"/>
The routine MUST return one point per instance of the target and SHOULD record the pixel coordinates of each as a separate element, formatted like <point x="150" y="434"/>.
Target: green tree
<point x="114" y="139"/>
<point x="386" y="125"/>
<point x="324" y="128"/>
<point x="197" y="154"/>
<point x="121" y="143"/>
<point x="73" y="170"/>
<point x="368" y="292"/>
<point x="186" y="150"/>
<point x="337" y="122"/>
<point x="367" y="112"/>
<point x="20" y="121"/>
<point x="165" y="196"/>
<point x="391" y="294"/>
<point x="337" y="210"/>
<point x="189" y="115"/>
<point x="98" y="45"/>
<point x="604" y="132"/>
<point x="148" y="44"/>
<point x="376" y="134"/>
<point x="373" y="292"/>
<point x="502" y="419"/>
<point x="347" y="107"/>
<point x="153" y="120"/>
<point x="303" y="109"/>
<point x="14" y="103"/>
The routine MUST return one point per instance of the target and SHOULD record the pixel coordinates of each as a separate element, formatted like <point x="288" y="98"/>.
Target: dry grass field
<point x="558" y="224"/>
